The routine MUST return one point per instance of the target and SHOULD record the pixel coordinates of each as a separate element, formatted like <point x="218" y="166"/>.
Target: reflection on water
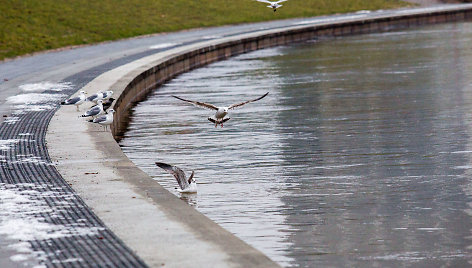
<point x="359" y="156"/>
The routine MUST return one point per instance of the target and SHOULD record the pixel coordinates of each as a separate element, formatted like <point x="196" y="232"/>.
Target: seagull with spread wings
<point x="273" y="5"/>
<point x="221" y="112"/>
<point x="186" y="185"/>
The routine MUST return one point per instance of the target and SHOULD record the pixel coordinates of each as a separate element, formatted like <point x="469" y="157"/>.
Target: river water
<point x="360" y="156"/>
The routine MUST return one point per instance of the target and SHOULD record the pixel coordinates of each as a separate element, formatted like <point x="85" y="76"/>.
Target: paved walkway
<point x="42" y="220"/>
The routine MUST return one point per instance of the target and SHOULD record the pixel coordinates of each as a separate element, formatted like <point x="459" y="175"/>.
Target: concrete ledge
<point x="158" y="226"/>
<point x="159" y="69"/>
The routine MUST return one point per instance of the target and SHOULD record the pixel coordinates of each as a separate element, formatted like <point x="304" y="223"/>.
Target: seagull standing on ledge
<point x="100" y="96"/>
<point x="95" y="110"/>
<point x="273" y="5"/>
<point x="76" y="100"/>
<point x="221" y="112"/>
<point x="186" y="185"/>
<point x="104" y="120"/>
<point x="106" y="104"/>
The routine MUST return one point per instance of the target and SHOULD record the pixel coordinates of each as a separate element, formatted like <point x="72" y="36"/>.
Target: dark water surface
<point x="360" y="156"/>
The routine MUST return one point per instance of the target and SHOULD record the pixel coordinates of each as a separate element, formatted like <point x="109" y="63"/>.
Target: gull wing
<point x="191" y="177"/>
<point x="100" y="119"/>
<point x="71" y="101"/>
<point x="107" y="94"/>
<point x="176" y="172"/>
<point x="93" y="111"/>
<point x="264" y="1"/>
<point x="199" y="104"/>
<point x="106" y="104"/>
<point x="92" y="97"/>
<point x="278" y="2"/>
<point x="242" y="103"/>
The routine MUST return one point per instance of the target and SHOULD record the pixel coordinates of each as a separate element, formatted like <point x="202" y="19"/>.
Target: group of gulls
<point x="104" y="101"/>
<point x="190" y="185"/>
<point x="99" y="112"/>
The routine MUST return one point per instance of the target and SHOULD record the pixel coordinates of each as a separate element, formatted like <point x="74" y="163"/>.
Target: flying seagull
<point x="100" y="96"/>
<point x="221" y="112"/>
<point x="186" y="185"/>
<point x="94" y="111"/>
<point x="75" y="100"/>
<point x="273" y="5"/>
<point x="104" y="120"/>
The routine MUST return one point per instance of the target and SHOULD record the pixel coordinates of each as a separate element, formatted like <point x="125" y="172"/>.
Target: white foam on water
<point x="462" y="167"/>
<point x="409" y="256"/>
<point x="338" y="166"/>
<point x="429" y="229"/>
<point x="22" y="210"/>
<point x="399" y="72"/>
<point x="457" y="152"/>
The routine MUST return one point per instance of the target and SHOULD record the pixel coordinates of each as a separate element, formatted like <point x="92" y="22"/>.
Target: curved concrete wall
<point x="154" y="223"/>
<point x="144" y="82"/>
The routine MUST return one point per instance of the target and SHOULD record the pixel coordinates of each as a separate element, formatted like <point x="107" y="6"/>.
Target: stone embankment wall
<point x="146" y="81"/>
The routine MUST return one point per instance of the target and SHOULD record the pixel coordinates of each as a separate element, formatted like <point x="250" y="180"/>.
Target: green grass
<point x="34" y="25"/>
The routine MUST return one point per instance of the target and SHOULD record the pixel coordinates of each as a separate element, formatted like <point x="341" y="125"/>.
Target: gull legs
<point x="218" y="122"/>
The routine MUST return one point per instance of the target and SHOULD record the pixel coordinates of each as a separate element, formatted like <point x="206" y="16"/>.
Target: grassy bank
<point x="34" y="25"/>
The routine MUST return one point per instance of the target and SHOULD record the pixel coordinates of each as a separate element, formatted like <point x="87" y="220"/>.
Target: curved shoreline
<point x="128" y="200"/>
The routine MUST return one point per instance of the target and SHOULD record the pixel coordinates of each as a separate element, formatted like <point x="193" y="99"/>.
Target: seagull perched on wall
<point x="104" y="120"/>
<point x="95" y="111"/>
<point x="273" y="5"/>
<point x="186" y="185"/>
<point x="106" y="104"/>
<point x="75" y="100"/>
<point x="100" y="96"/>
<point x="221" y="112"/>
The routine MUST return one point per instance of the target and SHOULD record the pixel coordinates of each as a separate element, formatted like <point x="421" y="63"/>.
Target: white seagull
<point x="106" y="104"/>
<point x="273" y="5"/>
<point x="75" y="100"/>
<point x="186" y="185"/>
<point x="95" y="110"/>
<point x="104" y="120"/>
<point x="221" y="112"/>
<point x="100" y="96"/>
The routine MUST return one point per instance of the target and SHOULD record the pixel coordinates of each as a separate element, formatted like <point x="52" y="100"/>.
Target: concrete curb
<point x="158" y="226"/>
